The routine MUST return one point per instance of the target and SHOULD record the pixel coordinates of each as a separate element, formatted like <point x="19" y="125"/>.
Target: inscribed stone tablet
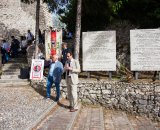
<point x="145" y="49"/>
<point x="99" y="51"/>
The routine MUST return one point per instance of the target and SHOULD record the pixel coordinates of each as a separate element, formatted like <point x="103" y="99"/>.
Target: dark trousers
<point x="14" y="53"/>
<point x="49" y="85"/>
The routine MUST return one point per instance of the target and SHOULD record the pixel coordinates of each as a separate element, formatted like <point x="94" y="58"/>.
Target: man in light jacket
<point x="72" y="68"/>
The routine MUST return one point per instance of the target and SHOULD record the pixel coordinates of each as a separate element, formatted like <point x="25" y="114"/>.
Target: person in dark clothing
<point x="43" y="37"/>
<point x="40" y="37"/>
<point x="3" y="52"/>
<point x="23" y="45"/>
<point x="64" y="33"/>
<point x="15" y="44"/>
<point x="65" y="50"/>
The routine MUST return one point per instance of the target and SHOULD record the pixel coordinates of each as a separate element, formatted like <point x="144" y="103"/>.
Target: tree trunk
<point x="0" y="60"/>
<point x="78" y="30"/>
<point x="37" y="27"/>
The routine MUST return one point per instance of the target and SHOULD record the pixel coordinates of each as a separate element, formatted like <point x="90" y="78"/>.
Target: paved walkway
<point x="118" y="120"/>
<point x="93" y="118"/>
<point x="58" y="119"/>
<point x="24" y="108"/>
<point x="90" y="118"/>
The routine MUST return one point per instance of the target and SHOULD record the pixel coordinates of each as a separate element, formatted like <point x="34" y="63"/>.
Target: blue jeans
<point x="49" y="84"/>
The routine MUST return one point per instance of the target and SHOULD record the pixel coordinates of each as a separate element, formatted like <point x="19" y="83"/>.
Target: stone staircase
<point x="11" y="72"/>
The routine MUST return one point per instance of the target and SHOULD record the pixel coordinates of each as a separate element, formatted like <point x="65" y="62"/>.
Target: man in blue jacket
<point x="54" y="76"/>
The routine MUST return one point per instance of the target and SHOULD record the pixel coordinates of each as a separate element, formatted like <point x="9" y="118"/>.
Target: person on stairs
<point x="15" y="44"/>
<point x="29" y="36"/>
<point x="5" y="50"/>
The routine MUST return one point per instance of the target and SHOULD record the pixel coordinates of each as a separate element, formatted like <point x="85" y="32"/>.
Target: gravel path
<point x="21" y="106"/>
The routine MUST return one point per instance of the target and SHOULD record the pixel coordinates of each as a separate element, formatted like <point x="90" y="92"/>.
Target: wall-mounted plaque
<point x="145" y="49"/>
<point x="99" y="51"/>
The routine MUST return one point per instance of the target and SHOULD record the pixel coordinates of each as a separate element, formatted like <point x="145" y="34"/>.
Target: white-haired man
<point x="54" y="76"/>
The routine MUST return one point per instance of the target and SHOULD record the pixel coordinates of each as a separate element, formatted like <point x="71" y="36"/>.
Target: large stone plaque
<point x="145" y="49"/>
<point x="99" y="51"/>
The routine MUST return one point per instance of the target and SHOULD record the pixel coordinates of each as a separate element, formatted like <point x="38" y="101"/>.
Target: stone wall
<point x="17" y="18"/>
<point x="139" y="98"/>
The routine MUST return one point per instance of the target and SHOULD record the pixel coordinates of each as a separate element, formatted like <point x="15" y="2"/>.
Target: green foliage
<point x="70" y="16"/>
<point x="96" y="14"/>
<point x="144" y="13"/>
<point x="117" y="5"/>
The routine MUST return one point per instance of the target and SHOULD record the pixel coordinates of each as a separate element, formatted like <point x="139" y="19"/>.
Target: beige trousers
<point x="72" y="94"/>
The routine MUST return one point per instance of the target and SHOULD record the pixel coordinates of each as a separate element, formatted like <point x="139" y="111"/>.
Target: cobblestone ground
<point x="21" y="106"/>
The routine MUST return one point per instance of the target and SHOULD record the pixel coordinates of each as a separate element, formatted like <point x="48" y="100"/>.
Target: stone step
<point x="14" y="84"/>
<point x="15" y="65"/>
<point x="11" y="73"/>
<point x="11" y="66"/>
<point x="10" y="76"/>
<point x="59" y="119"/>
<point x="11" y="70"/>
<point x="17" y="59"/>
<point x="13" y="80"/>
<point x="20" y="62"/>
<point x="90" y="118"/>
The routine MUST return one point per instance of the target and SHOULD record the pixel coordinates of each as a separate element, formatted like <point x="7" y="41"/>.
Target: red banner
<point x="53" y="51"/>
<point x="53" y="37"/>
<point x="56" y="42"/>
<point x="53" y="42"/>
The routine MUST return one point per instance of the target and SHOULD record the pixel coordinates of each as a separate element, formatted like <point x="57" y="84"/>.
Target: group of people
<point x="70" y="67"/>
<point x="12" y="49"/>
